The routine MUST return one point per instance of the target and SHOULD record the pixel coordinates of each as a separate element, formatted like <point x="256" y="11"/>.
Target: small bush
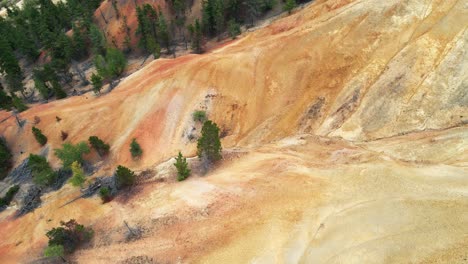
<point x="78" y="177"/>
<point x="124" y="177"/>
<point x="101" y="148"/>
<point x="5" y="201"/>
<point x="135" y="149"/>
<point x="199" y="116"/>
<point x="42" y="173"/>
<point x="182" y="167"/>
<point x="105" y="194"/>
<point x="70" y="153"/>
<point x="69" y="235"/>
<point x="40" y="138"/>
<point x="5" y="159"/>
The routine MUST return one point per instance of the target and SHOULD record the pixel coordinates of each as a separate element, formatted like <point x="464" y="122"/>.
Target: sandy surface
<point x="346" y="141"/>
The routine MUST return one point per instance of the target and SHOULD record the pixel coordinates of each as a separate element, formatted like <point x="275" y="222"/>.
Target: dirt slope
<point x="345" y="129"/>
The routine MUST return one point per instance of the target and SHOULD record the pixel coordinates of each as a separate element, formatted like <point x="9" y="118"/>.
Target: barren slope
<point x="346" y="132"/>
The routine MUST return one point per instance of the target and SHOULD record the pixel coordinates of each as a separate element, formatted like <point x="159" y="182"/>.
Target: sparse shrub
<point x="101" y="148"/>
<point x="209" y="145"/>
<point x="69" y="235"/>
<point x="124" y="177"/>
<point x="42" y="173"/>
<point x="199" y="116"/>
<point x="70" y="153"/>
<point x="135" y="149"/>
<point x="40" y="138"/>
<point x="105" y="194"/>
<point x="182" y="167"/>
<point x="78" y="177"/>
<point x="5" y="159"/>
<point x="5" y="201"/>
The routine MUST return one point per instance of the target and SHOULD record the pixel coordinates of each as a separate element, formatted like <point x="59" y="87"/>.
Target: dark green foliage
<point x="6" y="161"/>
<point x="79" y="43"/>
<point x="105" y="194"/>
<point x="290" y="5"/>
<point x="234" y="29"/>
<point x="97" y="40"/>
<point x="96" y="80"/>
<point x="5" y="201"/>
<point x="199" y="116"/>
<point x="268" y="5"/>
<point x="40" y="138"/>
<point x="125" y="29"/>
<point x="253" y="10"/>
<point x="124" y="177"/>
<point x="209" y="144"/>
<point x="47" y="80"/>
<point x="18" y="103"/>
<point x="42" y="88"/>
<point x="196" y="36"/>
<point x="112" y="65"/>
<point x="54" y="251"/>
<point x="6" y="102"/>
<point x="99" y="145"/>
<point x="182" y="167"/>
<point x="9" y="66"/>
<point x="70" y="153"/>
<point x="135" y="149"/>
<point x="69" y="235"/>
<point x="42" y="173"/>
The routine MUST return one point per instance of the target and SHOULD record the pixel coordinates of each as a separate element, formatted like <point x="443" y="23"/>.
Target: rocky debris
<point x="21" y="174"/>
<point x="132" y="233"/>
<point x="63" y="176"/>
<point x="99" y="183"/>
<point x="31" y="200"/>
<point x="139" y="260"/>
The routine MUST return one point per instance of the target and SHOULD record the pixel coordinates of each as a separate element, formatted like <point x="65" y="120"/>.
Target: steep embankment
<point x="381" y="84"/>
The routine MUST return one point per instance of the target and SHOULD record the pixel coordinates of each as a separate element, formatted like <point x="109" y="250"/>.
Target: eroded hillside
<point x="345" y="137"/>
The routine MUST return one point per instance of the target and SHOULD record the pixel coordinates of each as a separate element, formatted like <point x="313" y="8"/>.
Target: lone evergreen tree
<point x="41" y="139"/>
<point x="135" y="149"/>
<point x="124" y="177"/>
<point x="209" y="145"/>
<point x="182" y="167"/>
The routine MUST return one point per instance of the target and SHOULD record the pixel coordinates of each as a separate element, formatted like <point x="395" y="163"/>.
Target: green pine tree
<point x="182" y="167"/>
<point x="96" y="80"/>
<point x="135" y="149"/>
<point x="209" y="144"/>
<point x="40" y="138"/>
